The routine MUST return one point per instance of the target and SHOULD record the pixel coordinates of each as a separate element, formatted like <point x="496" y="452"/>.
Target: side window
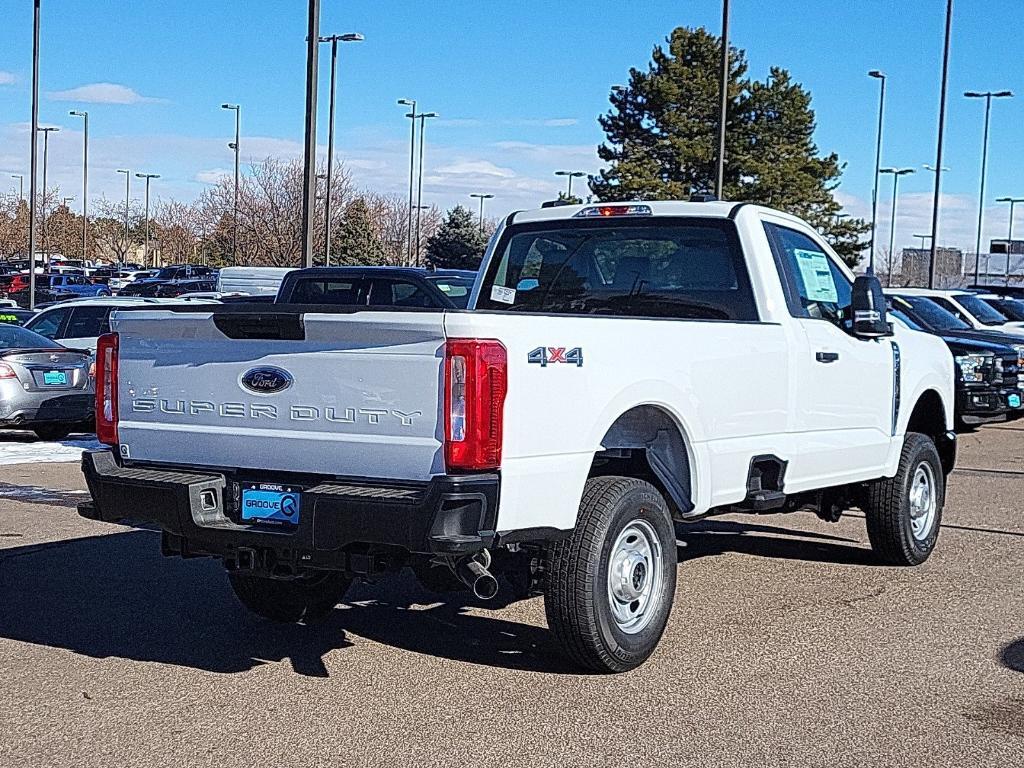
<point x="48" y="324"/>
<point x="815" y="287"/>
<point x="87" y="322"/>
<point x="326" y="291"/>
<point x="397" y="293"/>
<point x="950" y="307"/>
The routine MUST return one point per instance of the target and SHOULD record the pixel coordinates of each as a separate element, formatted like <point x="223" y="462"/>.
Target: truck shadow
<point x="717" y="536"/>
<point x="1012" y="656"/>
<point x="116" y="596"/>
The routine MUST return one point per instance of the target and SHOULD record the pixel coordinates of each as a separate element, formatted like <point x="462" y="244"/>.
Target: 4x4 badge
<point x="543" y="356"/>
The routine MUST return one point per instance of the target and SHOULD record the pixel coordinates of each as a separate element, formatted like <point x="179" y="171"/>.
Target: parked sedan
<point x="44" y="386"/>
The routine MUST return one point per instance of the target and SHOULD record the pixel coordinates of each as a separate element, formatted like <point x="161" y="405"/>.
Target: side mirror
<point x="868" y="308"/>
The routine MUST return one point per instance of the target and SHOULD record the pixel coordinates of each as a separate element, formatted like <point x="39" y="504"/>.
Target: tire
<point x="904" y="512"/>
<point x="290" y="601"/>
<point x="52" y="432"/>
<point x="623" y="526"/>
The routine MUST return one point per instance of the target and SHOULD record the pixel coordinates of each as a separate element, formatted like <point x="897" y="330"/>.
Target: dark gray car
<point x="44" y="386"/>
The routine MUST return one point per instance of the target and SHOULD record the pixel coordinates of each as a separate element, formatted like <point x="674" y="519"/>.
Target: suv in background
<point x="969" y="307"/>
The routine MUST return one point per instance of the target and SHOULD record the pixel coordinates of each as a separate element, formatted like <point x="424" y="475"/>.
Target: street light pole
<point x="412" y="165"/>
<point x="424" y="116"/>
<point x="34" y="162"/>
<point x="938" y="151"/>
<point x="21" y="184"/>
<point x="987" y="96"/>
<point x="571" y="175"/>
<point x="85" y="179"/>
<point x="481" y="197"/>
<point x="145" y="246"/>
<point x="46" y="225"/>
<point x="723" y="98"/>
<point x="878" y="75"/>
<point x="237" y="108"/>
<point x="1009" y="238"/>
<point x="896" y="173"/>
<point x="309" y="165"/>
<point x="353" y="37"/>
<point x="923" y="238"/>
<point x="127" y="191"/>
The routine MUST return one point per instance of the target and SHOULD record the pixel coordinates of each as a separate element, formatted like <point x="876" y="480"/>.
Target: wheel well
<point x="929" y="418"/>
<point x="647" y="443"/>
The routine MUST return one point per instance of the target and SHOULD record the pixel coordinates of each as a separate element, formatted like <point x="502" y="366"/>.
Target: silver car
<point x="44" y="386"/>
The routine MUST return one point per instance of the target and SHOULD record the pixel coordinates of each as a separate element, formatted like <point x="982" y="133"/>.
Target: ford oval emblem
<point x="266" y="380"/>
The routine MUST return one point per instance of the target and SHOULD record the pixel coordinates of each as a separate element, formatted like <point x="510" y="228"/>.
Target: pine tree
<point x="662" y="138"/>
<point x="356" y="242"/>
<point x="458" y="244"/>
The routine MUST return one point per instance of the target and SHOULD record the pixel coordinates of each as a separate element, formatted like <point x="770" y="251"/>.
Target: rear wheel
<point x="288" y="601"/>
<point x="904" y="512"/>
<point x="52" y="431"/>
<point x="610" y="586"/>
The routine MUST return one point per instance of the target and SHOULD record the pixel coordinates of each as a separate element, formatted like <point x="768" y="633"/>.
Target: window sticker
<point x="816" y="275"/>
<point x="502" y="294"/>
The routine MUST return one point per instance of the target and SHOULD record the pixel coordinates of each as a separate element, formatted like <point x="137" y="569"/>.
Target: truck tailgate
<point x="353" y="395"/>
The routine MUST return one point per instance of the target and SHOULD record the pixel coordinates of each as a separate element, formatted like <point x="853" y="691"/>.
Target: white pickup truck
<point x="623" y="367"/>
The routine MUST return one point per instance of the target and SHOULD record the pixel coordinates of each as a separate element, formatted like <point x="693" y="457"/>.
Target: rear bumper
<point x="21" y="407"/>
<point x="340" y="519"/>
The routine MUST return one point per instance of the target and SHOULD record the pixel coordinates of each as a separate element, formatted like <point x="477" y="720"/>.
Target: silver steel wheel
<point x="634" y="577"/>
<point x="923" y="504"/>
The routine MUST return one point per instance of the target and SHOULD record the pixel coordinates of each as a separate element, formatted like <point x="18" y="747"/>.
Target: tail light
<point x="6" y="372"/>
<point x="106" y="389"/>
<point x="476" y="380"/>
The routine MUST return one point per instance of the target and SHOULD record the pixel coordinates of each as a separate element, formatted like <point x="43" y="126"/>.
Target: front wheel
<point x="904" y="513"/>
<point x="288" y="601"/>
<point x="610" y="586"/>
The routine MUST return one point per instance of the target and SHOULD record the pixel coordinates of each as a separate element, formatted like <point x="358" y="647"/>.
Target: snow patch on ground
<point x="26" y="448"/>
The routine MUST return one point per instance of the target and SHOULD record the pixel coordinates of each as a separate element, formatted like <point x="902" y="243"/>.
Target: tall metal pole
<point x="145" y="246"/>
<point x="236" y="146"/>
<point x="419" y="192"/>
<point x="330" y="154"/>
<point x="988" y="96"/>
<point x="21" y="184"/>
<point x="878" y="164"/>
<point x="481" y="198"/>
<point x="1009" y="243"/>
<point x="412" y="165"/>
<point x="85" y="180"/>
<point x="46" y="224"/>
<point x="127" y="192"/>
<point x="938" y="151"/>
<point x="896" y="173"/>
<point x="309" y="164"/>
<point x="34" y="160"/>
<point x="723" y="98"/>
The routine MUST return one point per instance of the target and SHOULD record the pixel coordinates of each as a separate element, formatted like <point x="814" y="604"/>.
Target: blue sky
<point x="518" y="87"/>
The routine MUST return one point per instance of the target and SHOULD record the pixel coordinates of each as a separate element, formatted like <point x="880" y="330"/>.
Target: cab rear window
<point x="660" y="268"/>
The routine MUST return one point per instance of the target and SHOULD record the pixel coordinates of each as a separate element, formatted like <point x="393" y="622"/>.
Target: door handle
<point x="826" y="357"/>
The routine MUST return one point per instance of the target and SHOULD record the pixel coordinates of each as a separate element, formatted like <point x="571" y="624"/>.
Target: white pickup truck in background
<point x="623" y="367"/>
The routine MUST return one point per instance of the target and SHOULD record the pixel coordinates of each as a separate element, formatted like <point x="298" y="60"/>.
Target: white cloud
<point x="103" y="93"/>
<point x="212" y="176"/>
<point x="475" y="168"/>
<point x="559" y="122"/>
<point x="7" y="78"/>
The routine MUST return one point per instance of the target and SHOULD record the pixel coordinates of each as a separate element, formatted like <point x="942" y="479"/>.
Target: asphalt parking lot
<point x="787" y="646"/>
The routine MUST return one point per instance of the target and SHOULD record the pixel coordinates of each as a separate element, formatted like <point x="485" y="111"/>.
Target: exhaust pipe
<point x="475" y="575"/>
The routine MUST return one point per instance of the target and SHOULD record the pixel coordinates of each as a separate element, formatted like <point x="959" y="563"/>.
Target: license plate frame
<point x="55" y="378"/>
<point x="270" y="504"/>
